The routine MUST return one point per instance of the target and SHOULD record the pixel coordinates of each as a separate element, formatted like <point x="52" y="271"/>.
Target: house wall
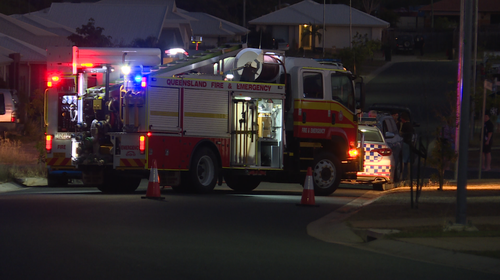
<point x="338" y="37"/>
<point x="411" y="23"/>
<point x="281" y="32"/>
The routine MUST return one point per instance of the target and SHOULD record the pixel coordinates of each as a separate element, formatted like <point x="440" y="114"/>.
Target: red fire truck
<point x="234" y="114"/>
<point x="91" y="107"/>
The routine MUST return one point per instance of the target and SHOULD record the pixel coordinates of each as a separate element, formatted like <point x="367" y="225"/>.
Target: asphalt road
<point x="79" y="233"/>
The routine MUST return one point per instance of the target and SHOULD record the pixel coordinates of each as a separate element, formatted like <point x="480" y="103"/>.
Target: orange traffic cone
<point x="153" y="190"/>
<point x="308" y="193"/>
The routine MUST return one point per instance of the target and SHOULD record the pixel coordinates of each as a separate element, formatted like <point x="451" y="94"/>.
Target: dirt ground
<point x="438" y="205"/>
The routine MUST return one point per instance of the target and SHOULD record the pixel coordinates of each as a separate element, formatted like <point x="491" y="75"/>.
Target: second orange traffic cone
<point x="153" y="190"/>
<point x="308" y="193"/>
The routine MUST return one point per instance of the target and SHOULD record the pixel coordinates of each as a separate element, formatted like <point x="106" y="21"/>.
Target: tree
<point x="369" y="6"/>
<point x="390" y="16"/>
<point x="362" y="49"/>
<point x="313" y="32"/>
<point x="149" y="42"/>
<point x="90" y="36"/>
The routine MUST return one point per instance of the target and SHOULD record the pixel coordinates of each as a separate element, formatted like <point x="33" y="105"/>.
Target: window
<point x="342" y="90"/>
<point x="372" y="136"/>
<point x="313" y="85"/>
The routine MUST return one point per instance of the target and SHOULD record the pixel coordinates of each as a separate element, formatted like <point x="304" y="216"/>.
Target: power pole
<point x="463" y="99"/>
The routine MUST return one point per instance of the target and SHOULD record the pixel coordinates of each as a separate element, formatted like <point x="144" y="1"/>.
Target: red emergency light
<point x="143" y="82"/>
<point x="142" y="144"/>
<point x="53" y="80"/>
<point x="48" y="142"/>
<point x="353" y="153"/>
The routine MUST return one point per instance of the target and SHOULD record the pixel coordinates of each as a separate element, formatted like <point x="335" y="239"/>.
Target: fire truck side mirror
<point x="360" y="95"/>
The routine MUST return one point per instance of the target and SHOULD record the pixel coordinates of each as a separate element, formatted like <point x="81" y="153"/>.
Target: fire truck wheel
<point x="326" y="173"/>
<point x="241" y="183"/>
<point x="204" y="171"/>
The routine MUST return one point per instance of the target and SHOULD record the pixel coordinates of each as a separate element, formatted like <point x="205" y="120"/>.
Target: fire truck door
<point x="245" y="132"/>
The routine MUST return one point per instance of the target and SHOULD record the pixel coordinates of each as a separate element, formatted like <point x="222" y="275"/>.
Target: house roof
<point x="29" y="33"/>
<point x="29" y="53"/>
<point x="453" y="6"/>
<point x="123" y="23"/>
<point x="207" y="25"/>
<point x="45" y="24"/>
<point x="310" y="12"/>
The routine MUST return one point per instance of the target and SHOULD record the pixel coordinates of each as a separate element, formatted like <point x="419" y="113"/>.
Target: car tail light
<point x="48" y="142"/>
<point x="383" y="151"/>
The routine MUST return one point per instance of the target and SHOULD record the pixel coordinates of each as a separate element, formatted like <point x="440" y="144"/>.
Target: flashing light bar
<point x="126" y="70"/>
<point x="176" y="51"/>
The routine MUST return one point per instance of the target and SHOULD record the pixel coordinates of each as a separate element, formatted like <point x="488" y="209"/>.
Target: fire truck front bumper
<point x="350" y="168"/>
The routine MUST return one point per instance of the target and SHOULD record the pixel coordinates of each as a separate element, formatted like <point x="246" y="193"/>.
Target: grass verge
<point x="20" y="160"/>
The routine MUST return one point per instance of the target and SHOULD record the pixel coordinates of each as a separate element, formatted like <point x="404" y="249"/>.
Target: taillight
<point x="13" y="117"/>
<point x="143" y="82"/>
<point x="142" y="144"/>
<point x="48" y="142"/>
<point x="353" y="152"/>
<point x="383" y="151"/>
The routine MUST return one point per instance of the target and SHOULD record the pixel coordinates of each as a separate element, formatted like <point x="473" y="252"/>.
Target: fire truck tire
<point x="204" y="171"/>
<point x="326" y="174"/>
<point x="241" y="183"/>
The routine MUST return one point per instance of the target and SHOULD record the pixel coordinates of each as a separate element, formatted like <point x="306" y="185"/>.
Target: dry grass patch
<point x="17" y="161"/>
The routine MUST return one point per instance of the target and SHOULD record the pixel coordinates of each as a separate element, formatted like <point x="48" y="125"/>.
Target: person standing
<point x="487" y="142"/>
<point x="406" y="131"/>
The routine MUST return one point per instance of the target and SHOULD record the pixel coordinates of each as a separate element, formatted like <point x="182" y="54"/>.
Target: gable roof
<point x="123" y="23"/>
<point x="454" y="6"/>
<point x="30" y="33"/>
<point x="45" y="24"/>
<point x="29" y="53"/>
<point x="310" y="12"/>
<point x="207" y="25"/>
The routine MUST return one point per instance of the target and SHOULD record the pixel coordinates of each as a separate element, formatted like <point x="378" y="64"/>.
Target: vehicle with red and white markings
<point x="233" y="114"/>
<point x="379" y="164"/>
